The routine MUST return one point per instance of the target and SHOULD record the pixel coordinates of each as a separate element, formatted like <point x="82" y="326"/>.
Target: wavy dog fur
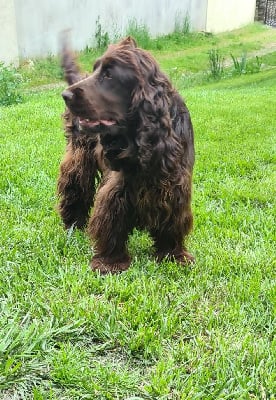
<point x="130" y="155"/>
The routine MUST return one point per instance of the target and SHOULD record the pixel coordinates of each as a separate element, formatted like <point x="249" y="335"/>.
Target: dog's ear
<point x="129" y="42"/>
<point x="150" y="93"/>
<point x="150" y="106"/>
<point x="68" y="60"/>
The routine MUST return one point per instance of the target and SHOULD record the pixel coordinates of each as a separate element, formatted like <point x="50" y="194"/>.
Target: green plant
<point x="239" y="65"/>
<point x="140" y="33"/>
<point x="245" y="65"/>
<point x="102" y="38"/>
<point x="254" y="65"/>
<point x="215" y="63"/>
<point x="49" y="66"/>
<point x="41" y="71"/>
<point x="10" y="85"/>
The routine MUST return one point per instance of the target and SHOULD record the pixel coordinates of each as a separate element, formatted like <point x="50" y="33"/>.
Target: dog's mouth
<point x="87" y="123"/>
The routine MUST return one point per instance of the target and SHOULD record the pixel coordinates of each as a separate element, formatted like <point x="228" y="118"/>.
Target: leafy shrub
<point x="10" y="84"/>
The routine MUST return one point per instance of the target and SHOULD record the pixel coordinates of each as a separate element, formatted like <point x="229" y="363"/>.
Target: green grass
<point x="191" y="52"/>
<point x="156" y="331"/>
<point x="269" y="59"/>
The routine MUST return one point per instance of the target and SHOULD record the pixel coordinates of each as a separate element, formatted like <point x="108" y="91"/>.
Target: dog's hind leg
<point x="169" y="238"/>
<point x="77" y="185"/>
<point x="110" y="225"/>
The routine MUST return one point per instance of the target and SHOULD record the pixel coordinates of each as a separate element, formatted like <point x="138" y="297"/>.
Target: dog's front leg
<point x="110" y="225"/>
<point x="76" y="186"/>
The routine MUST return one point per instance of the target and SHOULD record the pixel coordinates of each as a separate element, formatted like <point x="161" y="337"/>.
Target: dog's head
<point x="126" y="93"/>
<point x="102" y="100"/>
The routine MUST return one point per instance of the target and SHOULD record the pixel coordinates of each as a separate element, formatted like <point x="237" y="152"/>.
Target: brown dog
<point x="128" y="129"/>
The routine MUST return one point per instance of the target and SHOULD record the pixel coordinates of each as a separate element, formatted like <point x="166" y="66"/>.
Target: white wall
<point x="31" y="28"/>
<point x="226" y="15"/>
<point x="39" y="22"/>
<point x="8" y="36"/>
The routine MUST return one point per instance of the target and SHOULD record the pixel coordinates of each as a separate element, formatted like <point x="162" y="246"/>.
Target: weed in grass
<point x="10" y="85"/>
<point x="239" y="65"/>
<point x="254" y="65"/>
<point x="216" y="63"/>
<point x="182" y="24"/>
<point x="101" y="37"/>
<point x="140" y="33"/>
<point x="41" y="71"/>
<point x="245" y="65"/>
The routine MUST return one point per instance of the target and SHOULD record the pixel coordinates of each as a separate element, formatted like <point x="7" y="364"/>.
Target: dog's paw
<point x="185" y="258"/>
<point x="182" y="257"/>
<point x="106" y="266"/>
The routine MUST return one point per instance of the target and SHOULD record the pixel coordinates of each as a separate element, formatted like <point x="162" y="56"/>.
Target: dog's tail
<point x="68" y="61"/>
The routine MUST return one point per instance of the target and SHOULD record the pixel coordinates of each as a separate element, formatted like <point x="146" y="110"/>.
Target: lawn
<point x="158" y="331"/>
<point x="190" y="52"/>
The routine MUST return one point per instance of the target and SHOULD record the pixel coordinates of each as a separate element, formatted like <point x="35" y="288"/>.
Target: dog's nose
<point x="67" y="95"/>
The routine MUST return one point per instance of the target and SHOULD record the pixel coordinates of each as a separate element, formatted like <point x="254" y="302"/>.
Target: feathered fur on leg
<point x="77" y="185"/>
<point x="110" y="225"/>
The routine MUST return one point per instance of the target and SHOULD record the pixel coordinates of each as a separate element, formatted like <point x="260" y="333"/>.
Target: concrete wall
<point x="30" y="28"/>
<point x="39" y="23"/>
<point x="226" y="15"/>
<point x="8" y="36"/>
